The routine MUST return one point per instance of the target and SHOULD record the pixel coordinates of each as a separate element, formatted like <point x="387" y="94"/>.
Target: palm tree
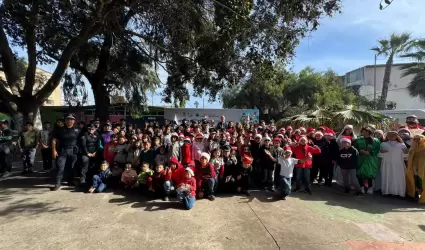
<point x="336" y="119"/>
<point x="398" y="43"/>
<point x="416" y="69"/>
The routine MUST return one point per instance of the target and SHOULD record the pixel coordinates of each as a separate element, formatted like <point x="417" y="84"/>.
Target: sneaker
<point x="70" y="183"/>
<point x="347" y="191"/>
<point x="30" y="171"/>
<point x="247" y="193"/>
<point x="358" y="194"/>
<point x="55" y="187"/>
<point x="24" y="172"/>
<point x="370" y="190"/>
<point x="296" y="190"/>
<point x="166" y="198"/>
<point x="272" y="189"/>
<point x="211" y="197"/>
<point x="91" y="190"/>
<point x="309" y="191"/>
<point x="284" y="198"/>
<point x="6" y="174"/>
<point x="362" y="190"/>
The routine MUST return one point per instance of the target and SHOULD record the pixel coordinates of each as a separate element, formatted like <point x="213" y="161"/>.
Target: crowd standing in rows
<point x="199" y="159"/>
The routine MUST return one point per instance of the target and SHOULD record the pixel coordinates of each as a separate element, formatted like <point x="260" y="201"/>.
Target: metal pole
<point x="203" y="103"/>
<point x="374" y="82"/>
<point x="152" y="98"/>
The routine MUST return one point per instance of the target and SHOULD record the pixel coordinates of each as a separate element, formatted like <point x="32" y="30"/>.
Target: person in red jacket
<point x="173" y="177"/>
<point x="109" y="152"/>
<point x="302" y="170"/>
<point x="186" y="192"/>
<point x="205" y="177"/>
<point x="158" y="181"/>
<point x="186" y="151"/>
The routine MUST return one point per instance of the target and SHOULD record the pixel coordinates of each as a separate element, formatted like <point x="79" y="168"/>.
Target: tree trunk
<point x="25" y="111"/>
<point x="101" y="100"/>
<point x="386" y="83"/>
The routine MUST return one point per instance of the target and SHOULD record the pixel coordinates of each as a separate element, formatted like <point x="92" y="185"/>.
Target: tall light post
<point x="374" y="82"/>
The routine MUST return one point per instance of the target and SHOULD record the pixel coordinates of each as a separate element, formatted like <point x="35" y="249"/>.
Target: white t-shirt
<point x="287" y="166"/>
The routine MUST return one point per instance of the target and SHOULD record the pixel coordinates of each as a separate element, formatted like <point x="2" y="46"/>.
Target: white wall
<point x="397" y="91"/>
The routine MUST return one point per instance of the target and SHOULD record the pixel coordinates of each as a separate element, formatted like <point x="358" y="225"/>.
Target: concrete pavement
<point x="32" y="217"/>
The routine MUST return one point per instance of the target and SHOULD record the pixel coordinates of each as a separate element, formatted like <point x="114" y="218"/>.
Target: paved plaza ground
<point x="32" y="217"/>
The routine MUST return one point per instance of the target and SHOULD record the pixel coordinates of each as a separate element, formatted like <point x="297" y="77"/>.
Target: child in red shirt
<point x="187" y="189"/>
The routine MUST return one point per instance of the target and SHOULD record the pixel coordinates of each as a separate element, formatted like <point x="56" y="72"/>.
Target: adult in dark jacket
<point x="328" y="172"/>
<point x="347" y="161"/>
<point x="268" y="159"/>
<point x="89" y="147"/>
<point x="6" y="148"/>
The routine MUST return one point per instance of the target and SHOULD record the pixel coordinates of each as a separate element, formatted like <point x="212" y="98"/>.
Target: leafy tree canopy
<point x="286" y="93"/>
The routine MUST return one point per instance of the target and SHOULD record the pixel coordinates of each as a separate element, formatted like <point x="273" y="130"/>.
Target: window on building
<point x="354" y="76"/>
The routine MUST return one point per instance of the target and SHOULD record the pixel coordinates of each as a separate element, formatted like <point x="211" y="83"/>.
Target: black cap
<point x="212" y="130"/>
<point x="70" y="117"/>
<point x="91" y="126"/>
<point x="226" y="148"/>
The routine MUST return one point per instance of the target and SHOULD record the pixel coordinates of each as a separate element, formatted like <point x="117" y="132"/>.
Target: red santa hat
<point x="181" y="135"/>
<point x="187" y="139"/>
<point x="345" y="139"/>
<point x="328" y="134"/>
<point x="199" y="136"/>
<point x="289" y="128"/>
<point x="190" y="171"/>
<point x="287" y="149"/>
<point x="310" y="130"/>
<point x="280" y="136"/>
<point x="247" y="159"/>
<point x="277" y="139"/>
<point x="318" y="133"/>
<point x="206" y="156"/>
<point x="302" y="129"/>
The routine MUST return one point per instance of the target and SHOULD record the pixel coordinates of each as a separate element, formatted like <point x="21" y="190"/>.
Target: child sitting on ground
<point x="129" y="176"/>
<point x="243" y="175"/>
<point x="101" y="179"/>
<point x="187" y="190"/>
<point x="144" y="180"/>
<point x="206" y="176"/>
<point x="287" y="165"/>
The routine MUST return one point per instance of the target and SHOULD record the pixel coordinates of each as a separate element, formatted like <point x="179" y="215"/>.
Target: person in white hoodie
<point x="198" y="147"/>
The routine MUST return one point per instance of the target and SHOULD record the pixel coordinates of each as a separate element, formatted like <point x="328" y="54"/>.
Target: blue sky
<point x="342" y="42"/>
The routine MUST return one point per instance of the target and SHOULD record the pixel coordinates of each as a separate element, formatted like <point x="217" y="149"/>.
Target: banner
<point x="235" y="115"/>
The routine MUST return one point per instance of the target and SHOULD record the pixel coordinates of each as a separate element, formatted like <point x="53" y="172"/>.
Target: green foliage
<point x="285" y="93"/>
<point x="334" y="119"/>
<point x="416" y="70"/>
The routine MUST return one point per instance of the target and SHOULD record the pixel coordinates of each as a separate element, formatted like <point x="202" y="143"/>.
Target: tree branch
<point x="9" y="64"/>
<point x="31" y="51"/>
<point x="89" y="29"/>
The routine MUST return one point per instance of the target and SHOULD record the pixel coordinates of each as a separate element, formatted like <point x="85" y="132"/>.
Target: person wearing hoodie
<point x="158" y="181"/>
<point x="109" y="150"/>
<point x="174" y="175"/>
<point x="255" y="152"/>
<point x="302" y="170"/>
<point x="230" y="170"/>
<point x="174" y="148"/>
<point x="347" y="161"/>
<point x="321" y="162"/>
<point x="206" y="176"/>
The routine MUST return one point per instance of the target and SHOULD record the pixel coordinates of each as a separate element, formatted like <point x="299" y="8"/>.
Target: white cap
<point x="345" y="140"/>
<point x="206" y="156"/>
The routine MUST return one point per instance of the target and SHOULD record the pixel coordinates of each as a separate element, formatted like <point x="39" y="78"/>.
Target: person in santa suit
<point x="413" y="123"/>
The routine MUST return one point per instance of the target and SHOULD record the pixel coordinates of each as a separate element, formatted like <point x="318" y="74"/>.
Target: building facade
<point x="362" y="80"/>
<point x="55" y="99"/>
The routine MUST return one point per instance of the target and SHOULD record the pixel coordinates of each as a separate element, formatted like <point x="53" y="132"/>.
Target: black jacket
<point x="347" y="158"/>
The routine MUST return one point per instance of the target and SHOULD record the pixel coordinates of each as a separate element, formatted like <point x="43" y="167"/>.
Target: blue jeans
<point x="167" y="187"/>
<point x="208" y="186"/>
<point x="98" y="184"/>
<point x="303" y="175"/>
<point x="188" y="201"/>
<point x="285" y="185"/>
<point x="28" y="157"/>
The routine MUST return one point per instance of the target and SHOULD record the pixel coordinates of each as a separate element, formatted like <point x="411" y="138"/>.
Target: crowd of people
<point x="199" y="159"/>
